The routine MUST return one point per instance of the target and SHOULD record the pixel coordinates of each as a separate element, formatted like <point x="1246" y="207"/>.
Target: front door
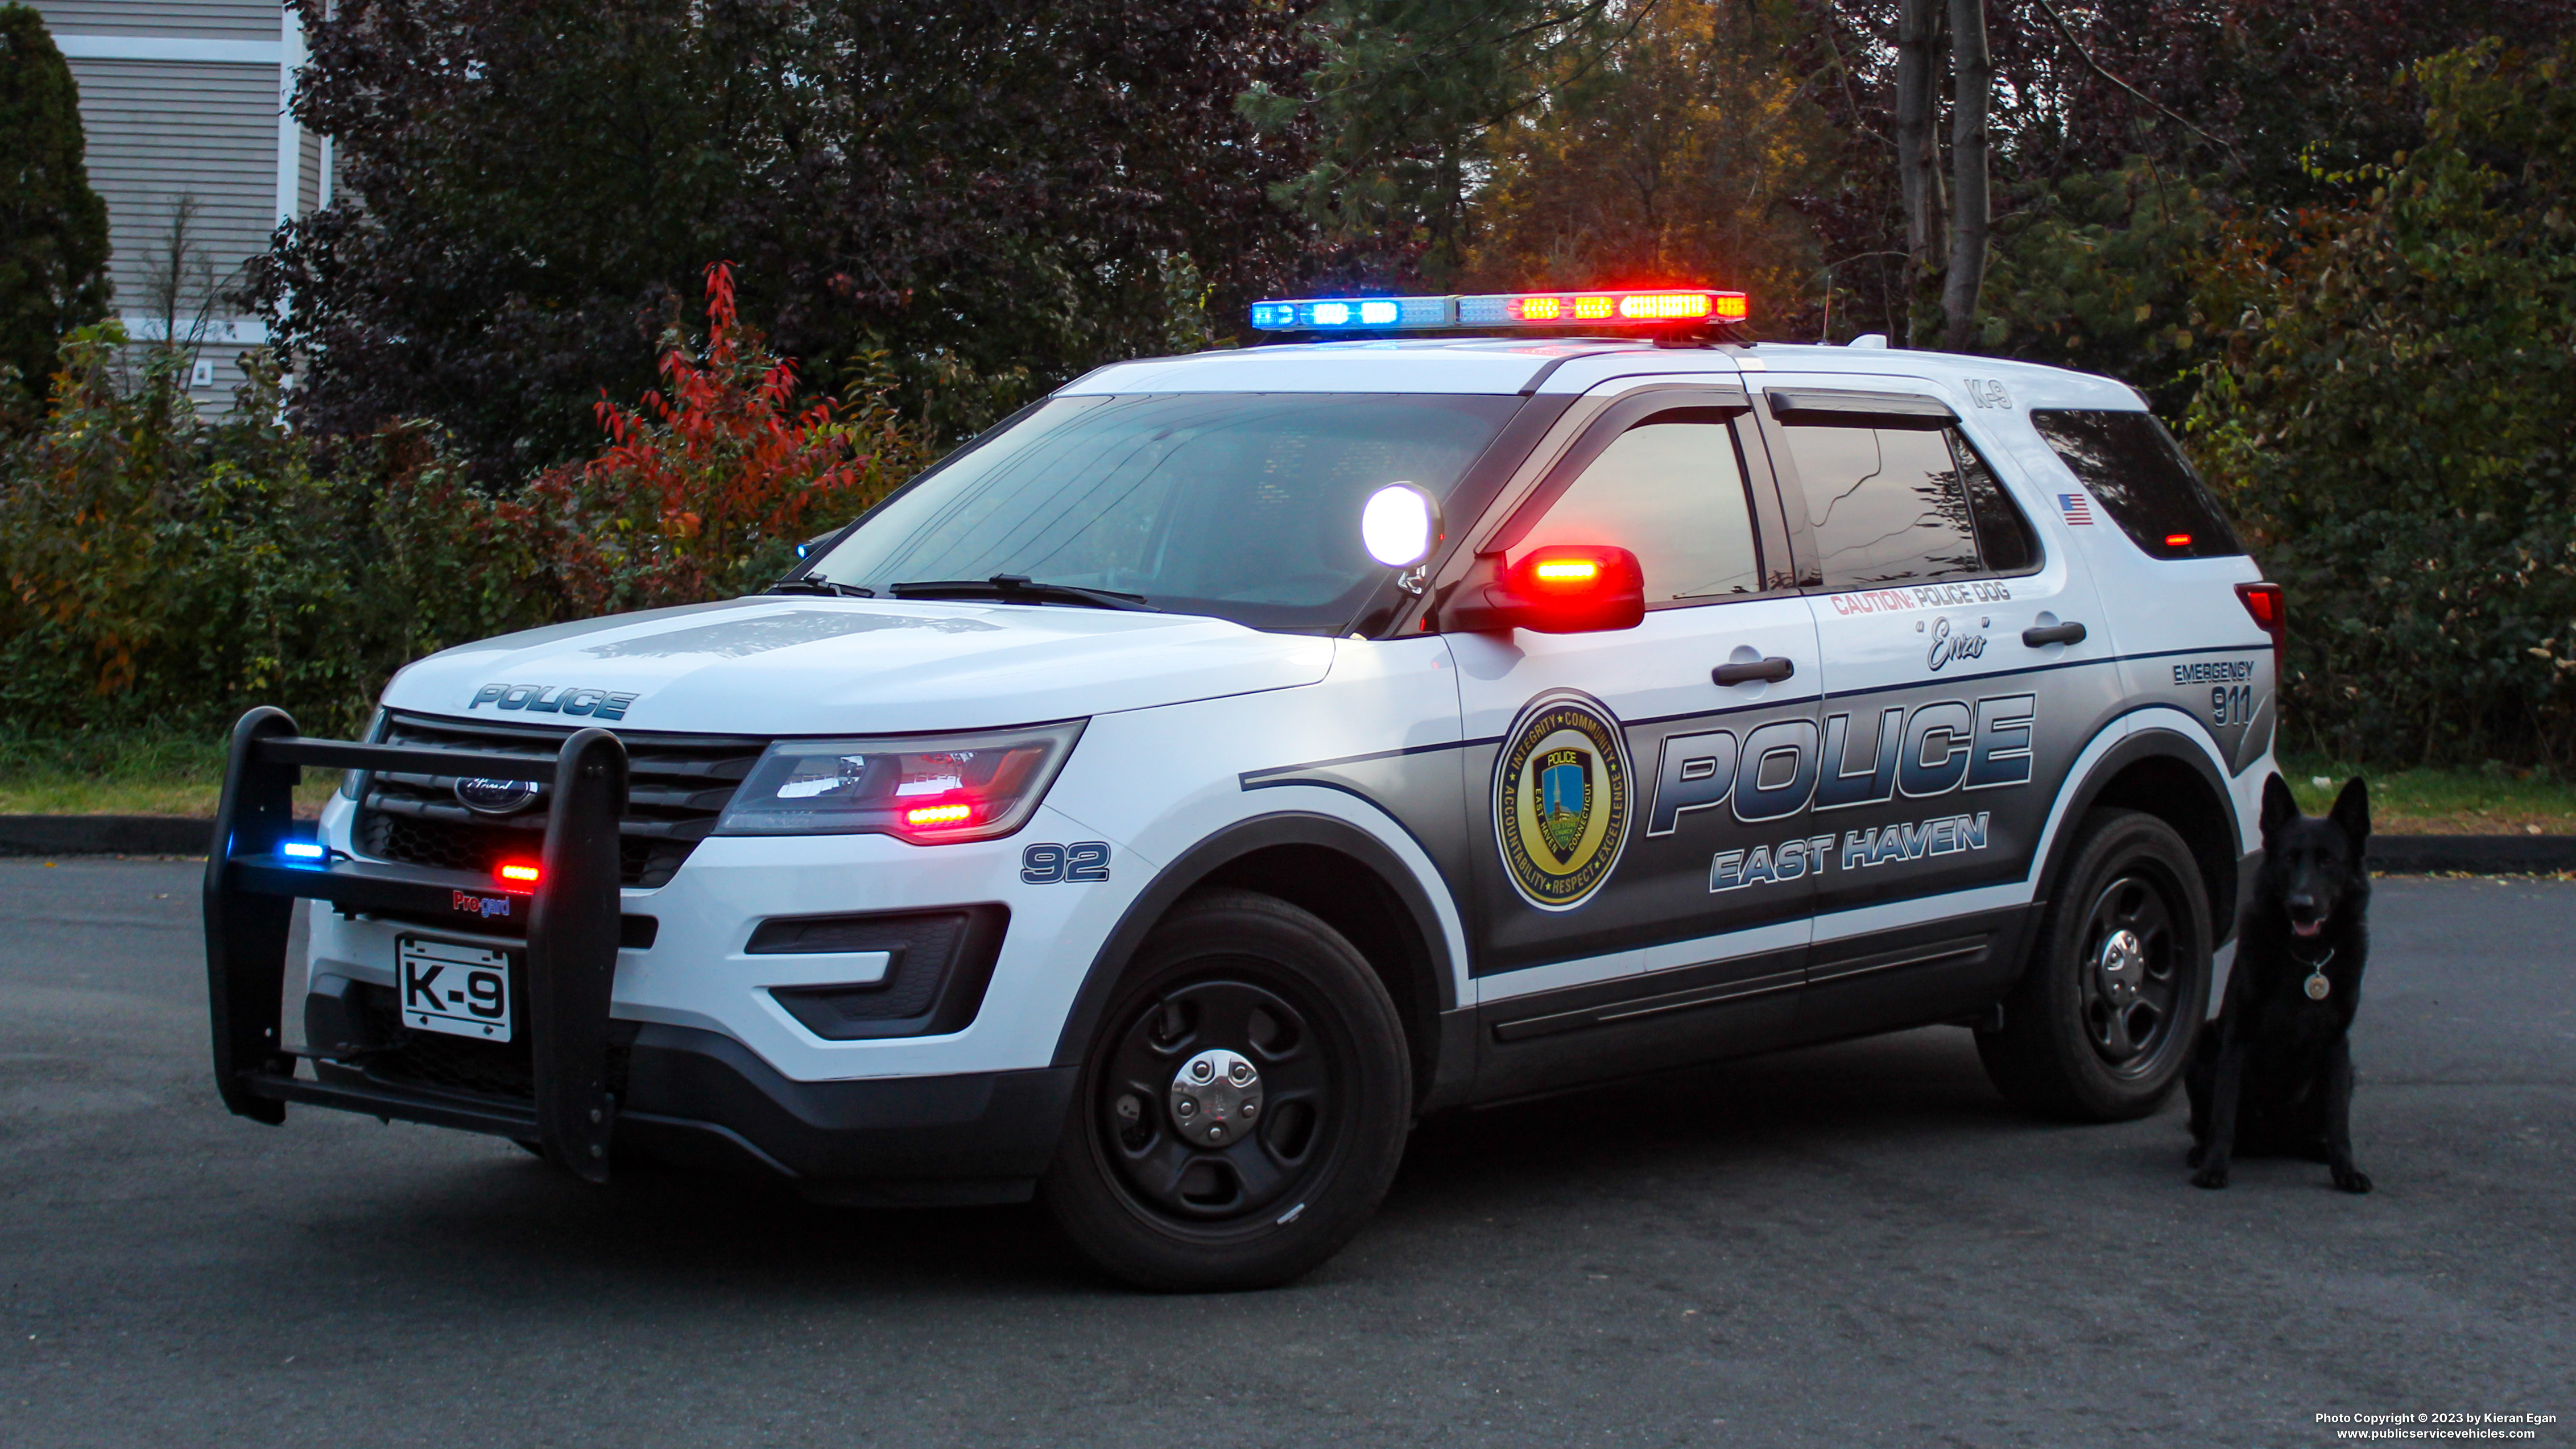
<point x="1640" y="795"/>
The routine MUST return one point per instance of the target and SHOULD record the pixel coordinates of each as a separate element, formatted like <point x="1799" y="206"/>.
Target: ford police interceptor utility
<point x="1166" y="799"/>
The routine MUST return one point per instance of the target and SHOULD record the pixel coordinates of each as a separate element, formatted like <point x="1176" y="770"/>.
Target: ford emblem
<point x="495" y="797"/>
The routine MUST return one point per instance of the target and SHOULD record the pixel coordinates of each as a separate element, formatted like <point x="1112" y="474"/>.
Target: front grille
<point x="677" y="786"/>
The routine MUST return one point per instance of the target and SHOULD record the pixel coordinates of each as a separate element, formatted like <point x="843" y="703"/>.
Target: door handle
<point x="1767" y="671"/>
<point x="2038" y="638"/>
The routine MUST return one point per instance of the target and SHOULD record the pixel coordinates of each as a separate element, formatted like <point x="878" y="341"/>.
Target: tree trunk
<point x="1918" y="152"/>
<point x="1968" y="147"/>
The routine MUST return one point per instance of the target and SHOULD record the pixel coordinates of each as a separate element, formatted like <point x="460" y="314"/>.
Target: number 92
<point x="1080" y="863"/>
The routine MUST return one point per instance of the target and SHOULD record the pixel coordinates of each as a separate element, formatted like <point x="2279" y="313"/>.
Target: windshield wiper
<point x="1021" y="589"/>
<point x="817" y="584"/>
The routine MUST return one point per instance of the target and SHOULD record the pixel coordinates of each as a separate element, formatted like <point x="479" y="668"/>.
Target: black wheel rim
<point x="1303" y="1072"/>
<point x="2131" y="973"/>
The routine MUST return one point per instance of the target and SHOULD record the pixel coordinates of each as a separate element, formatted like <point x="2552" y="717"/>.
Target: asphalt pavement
<point x="1859" y="1244"/>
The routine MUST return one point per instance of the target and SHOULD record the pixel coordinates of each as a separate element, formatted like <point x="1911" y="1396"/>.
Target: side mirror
<point x="1557" y="589"/>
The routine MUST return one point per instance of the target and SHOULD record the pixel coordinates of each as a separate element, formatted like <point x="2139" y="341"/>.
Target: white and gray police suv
<point x="1164" y="801"/>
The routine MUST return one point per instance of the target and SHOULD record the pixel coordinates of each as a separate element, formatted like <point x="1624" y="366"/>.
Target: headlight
<point x="926" y="788"/>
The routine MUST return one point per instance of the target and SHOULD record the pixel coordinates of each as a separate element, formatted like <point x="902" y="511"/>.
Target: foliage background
<point x="166" y="570"/>
<point x="2330" y="242"/>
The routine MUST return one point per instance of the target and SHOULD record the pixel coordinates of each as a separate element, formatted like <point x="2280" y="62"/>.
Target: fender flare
<point x="1235" y="841"/>
<point x="2151" y="742"/>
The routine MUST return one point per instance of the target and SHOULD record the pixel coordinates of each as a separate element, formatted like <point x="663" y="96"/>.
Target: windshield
<point x="1241" y="505"/>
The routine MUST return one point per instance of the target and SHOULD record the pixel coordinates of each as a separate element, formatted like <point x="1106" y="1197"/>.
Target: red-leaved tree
<point x="706" y="488"/>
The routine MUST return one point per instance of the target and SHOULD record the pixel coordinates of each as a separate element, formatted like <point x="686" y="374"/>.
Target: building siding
<point x="162" y="130"/>
<point x="196" y="19"/>
<point x="178" y="101"/>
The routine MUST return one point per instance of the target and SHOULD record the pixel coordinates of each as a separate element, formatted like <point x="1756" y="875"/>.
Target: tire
<point x="1331" y="1098"/>
<point x="2098" y="1030"/>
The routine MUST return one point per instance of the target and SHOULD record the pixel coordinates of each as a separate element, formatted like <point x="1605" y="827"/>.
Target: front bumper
<point x="696" y="1098"/>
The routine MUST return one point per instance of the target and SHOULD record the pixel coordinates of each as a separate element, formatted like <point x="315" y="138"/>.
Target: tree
<point x="2233" y="98"/>
<point x="996" y="195"/>
<point x="53" y="227"/>
<point x="1401" y="99"/>
<point x="1672" y="159"/>
<point x="2388" y="410"/>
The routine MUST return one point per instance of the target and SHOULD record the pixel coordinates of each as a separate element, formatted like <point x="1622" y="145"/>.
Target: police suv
<point x="1165" y="800"/>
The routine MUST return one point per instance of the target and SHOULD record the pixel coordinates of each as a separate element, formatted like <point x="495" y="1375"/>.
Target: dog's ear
<point x="2280" y="807"/>
<point x="2352" y="810"/>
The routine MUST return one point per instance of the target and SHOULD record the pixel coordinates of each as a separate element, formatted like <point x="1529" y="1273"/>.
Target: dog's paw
<point x="2198" y="1151"/>
<point x="2210" y="1177"/>
<point x="2352" y="1179"/>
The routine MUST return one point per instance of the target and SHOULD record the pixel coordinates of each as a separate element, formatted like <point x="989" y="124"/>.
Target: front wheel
<point x="2103" y="1018"/>
<point x="1242" y="1107"/>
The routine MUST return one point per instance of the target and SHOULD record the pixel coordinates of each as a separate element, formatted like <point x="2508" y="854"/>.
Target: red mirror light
<point x="1556" y="589"/>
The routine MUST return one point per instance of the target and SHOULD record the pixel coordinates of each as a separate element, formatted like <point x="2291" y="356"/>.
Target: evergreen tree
<point x="53" y="228"/>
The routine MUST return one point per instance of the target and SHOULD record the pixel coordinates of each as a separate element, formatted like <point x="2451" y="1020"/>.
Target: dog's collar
<point x="2318" y="964"/>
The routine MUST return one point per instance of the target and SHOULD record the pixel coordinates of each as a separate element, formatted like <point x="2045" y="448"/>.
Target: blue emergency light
<point x="1501" y="309"/>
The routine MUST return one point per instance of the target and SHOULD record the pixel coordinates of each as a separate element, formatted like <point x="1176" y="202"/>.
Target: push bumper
<point x="588" y="1089"/>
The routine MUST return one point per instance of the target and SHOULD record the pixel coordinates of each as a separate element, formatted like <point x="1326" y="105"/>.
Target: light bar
<point x="1504" y="309"/>
<point x="301" y="850"/>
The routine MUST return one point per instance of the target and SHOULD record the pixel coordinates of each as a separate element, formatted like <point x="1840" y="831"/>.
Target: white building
<point x="187" y="98"/>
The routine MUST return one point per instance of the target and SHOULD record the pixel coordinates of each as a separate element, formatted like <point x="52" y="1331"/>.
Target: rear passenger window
<point x="1672" y="493"/>
<point x="2129" y="462"/>
<point x="1895" y="506"/>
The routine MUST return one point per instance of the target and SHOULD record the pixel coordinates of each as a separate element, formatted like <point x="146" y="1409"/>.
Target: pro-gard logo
<point x="1561" y="800"/>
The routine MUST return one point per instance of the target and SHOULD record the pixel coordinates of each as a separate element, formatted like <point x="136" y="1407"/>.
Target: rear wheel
<point x="2104" y="1016"/>
<point x="1242" y="1107"/>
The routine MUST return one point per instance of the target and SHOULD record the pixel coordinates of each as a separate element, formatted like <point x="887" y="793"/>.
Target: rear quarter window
<point x="2138" y="473"/>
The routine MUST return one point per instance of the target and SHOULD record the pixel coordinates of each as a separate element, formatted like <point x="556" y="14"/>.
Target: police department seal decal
<point x="1561" y="800"/>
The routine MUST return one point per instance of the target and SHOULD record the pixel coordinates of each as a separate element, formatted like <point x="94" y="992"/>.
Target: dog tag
<point x="2318" y="986"/>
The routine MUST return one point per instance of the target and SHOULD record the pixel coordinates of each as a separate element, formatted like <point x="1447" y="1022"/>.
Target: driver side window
<point x="1673" y="494"/>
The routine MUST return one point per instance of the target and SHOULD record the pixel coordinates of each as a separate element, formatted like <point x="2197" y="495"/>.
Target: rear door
<point x="1963" y="667"/>
<point x="1644" y="858"/>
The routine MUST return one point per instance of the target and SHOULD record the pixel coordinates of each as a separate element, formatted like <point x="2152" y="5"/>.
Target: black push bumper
<point x="592" y="1087"/>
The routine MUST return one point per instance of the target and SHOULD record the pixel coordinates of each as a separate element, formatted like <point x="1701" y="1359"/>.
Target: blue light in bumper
<point x="301" y="850"/>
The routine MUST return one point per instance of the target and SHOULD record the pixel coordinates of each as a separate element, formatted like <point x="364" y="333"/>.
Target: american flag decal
<point x="2078" y="512"/>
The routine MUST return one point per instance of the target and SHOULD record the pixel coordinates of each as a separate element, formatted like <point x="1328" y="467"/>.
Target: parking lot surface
<point x="1859" y="1244"/>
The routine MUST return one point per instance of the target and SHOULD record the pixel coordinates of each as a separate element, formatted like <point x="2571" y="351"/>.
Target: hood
<point x="819" y="666"/>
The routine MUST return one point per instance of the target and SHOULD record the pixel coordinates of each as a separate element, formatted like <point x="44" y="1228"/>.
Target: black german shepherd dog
<point x="2272" y="1077"/>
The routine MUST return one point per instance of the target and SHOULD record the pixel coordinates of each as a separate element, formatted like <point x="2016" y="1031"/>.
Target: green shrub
<point x="2390" y="417"/>
<point x="166" y="571"/>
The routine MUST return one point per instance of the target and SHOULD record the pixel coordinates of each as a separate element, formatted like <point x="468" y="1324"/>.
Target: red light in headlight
<point x="939" y="815"/>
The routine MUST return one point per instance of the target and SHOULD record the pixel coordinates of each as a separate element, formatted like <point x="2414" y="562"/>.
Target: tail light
<point x="2264" y="602"/>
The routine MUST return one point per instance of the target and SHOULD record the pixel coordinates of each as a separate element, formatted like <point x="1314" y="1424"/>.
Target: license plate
<point x="462" y="990"/>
